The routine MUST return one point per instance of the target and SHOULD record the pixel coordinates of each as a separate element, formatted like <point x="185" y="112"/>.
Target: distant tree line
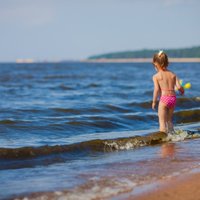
<point x="193" y="52"/>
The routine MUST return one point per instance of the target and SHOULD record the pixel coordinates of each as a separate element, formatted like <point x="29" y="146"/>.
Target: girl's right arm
<point x="155" y="92"/>
<point x="179" y="87"/>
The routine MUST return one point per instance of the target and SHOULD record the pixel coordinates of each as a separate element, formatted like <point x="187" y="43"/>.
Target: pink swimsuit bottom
<point x="169" y="101"/>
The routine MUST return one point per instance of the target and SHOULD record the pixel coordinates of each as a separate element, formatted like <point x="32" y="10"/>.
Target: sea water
<point x="81" y="130"/>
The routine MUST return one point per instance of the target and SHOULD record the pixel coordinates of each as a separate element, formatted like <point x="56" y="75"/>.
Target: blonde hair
<point x="162" y="59"/>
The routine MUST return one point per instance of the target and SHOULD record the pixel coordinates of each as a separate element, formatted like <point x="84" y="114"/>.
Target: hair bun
<point x="160" y="53"/>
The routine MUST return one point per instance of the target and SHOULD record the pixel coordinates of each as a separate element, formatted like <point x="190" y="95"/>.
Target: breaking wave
<point x="44" y="155"/>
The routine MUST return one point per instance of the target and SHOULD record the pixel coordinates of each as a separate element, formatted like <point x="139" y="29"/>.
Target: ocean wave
<point x="65" y="76"/>
<point x="187" y="116"/>
<point x="93" y="119"/>
<point x="7" y="121"/>
<point x="67" y="110"/>
<point x="103" y="188"/>
<point x="183" y="102"/>
<point x="116" y="108"/>
<point x="97" y="123"/>
<point x="29" y="156"/>
<point x="93" y="85"/>
<point x="10" y="122"/>
<point x="65" y="87"/>
<point x="92" y="145"/>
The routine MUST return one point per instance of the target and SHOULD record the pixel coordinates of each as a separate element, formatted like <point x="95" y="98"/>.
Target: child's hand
<point x="153" y="105"/>
<point x="181" y="90"/>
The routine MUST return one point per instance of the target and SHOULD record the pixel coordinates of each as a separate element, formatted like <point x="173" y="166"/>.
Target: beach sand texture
<point x="177" y="188"/>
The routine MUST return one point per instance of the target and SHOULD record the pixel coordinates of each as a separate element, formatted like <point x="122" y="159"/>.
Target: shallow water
<point x="64" y="104"/>
<point x="107" y="175"/>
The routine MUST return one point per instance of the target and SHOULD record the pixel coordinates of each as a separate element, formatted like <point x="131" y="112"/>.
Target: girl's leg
<point x="170" y="120"/>
<point x="162" y="114"/>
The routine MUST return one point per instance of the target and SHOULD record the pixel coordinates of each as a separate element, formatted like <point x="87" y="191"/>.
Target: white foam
<point x="177" y="135"/>
<point x="97" y="191"/>
<point x="118" y="146"/>
<point x="180" y="135"/>
<point x="197" y="98"/>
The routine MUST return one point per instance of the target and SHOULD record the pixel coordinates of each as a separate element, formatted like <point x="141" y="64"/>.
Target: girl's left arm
<point x="179" y="87"/>
<point x="156" y="92"/>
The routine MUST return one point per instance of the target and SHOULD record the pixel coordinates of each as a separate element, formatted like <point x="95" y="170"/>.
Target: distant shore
<point x="138" y="60"/>
<point x="105" y="60"/>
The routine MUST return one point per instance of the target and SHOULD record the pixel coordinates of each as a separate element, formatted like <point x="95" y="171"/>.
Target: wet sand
<point x="176" y="188"/>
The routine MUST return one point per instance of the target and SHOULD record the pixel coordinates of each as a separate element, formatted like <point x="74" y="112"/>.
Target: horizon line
<point x="107" y="60"/>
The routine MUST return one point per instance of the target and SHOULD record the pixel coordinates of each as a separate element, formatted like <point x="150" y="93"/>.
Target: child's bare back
<point x="165" y="82"/>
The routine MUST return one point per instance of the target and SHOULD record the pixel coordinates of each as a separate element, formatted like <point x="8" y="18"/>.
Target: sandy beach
<point x="177" y="188"/>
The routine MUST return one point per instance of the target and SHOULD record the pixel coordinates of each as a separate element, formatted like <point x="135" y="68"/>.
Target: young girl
<point x="165" y="82"/>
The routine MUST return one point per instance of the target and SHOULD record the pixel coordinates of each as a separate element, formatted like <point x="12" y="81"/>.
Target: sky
<point x="76" y="29"/>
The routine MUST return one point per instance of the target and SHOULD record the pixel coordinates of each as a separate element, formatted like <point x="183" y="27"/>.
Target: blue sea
<point x="86" y="130"/>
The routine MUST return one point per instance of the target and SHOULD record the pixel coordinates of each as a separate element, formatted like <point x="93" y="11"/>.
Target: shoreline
<point x="181" y="187"/>
<point x="184" y="186"/>
<point x="105" y="60"/>
<point x="139" y="60"/>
